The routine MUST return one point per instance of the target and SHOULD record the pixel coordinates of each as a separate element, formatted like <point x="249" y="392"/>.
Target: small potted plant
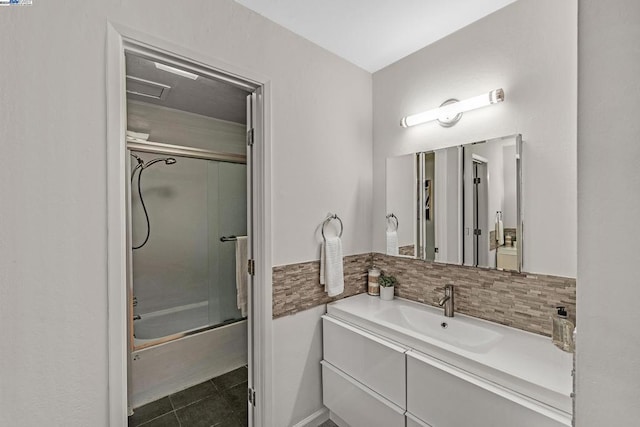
<point x="387" y="284"/>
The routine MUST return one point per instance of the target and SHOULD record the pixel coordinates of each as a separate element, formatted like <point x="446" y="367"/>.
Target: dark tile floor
<point x="219" y="402"/>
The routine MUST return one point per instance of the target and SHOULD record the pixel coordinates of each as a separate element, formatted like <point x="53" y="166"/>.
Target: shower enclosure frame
<point x="121" y="39"/>
<point x="162" y="149"/>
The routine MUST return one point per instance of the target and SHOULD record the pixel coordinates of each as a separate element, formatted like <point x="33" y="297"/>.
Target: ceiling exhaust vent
<point x="147" y="88"/>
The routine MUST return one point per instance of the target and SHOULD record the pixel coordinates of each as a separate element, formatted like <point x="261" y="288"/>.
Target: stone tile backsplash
<point x="296" y="287"/>
<point x="520" y="300"/>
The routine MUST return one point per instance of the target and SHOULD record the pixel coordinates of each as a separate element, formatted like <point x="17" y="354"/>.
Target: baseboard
<point x="315" y="419"/>
<point x="337" y="420"/>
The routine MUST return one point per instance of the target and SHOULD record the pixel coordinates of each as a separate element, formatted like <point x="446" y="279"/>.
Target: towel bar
<point x="328" y="220"/>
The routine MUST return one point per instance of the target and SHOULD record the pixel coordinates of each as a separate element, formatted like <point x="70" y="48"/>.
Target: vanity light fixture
<point x="177" y="71"/>
<point x="450" y="112"/>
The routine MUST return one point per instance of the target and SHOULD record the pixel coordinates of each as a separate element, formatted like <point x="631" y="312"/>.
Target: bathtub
<point x="172" y="352"/>
<point x="165" y="324"/>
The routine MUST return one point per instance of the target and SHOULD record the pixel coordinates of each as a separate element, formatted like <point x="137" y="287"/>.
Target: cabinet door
<point x="371" y="360"/>
<point x="445" y="396"/>
<point x="356" y="404"/>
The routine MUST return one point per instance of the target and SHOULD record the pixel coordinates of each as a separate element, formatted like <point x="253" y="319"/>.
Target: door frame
<point x="480" y="210"/>
<point x="120" y="39"/>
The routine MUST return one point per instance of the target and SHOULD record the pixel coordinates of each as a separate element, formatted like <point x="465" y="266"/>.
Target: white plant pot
<point x="386" y="293"/>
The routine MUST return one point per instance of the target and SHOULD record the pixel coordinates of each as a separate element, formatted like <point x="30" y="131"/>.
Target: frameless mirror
<point x="424" y="195"/>
<point x="492" y="230"/>
<point x="457" y="205"/>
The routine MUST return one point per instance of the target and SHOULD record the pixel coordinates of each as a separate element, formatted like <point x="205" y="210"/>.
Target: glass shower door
<point x="184" y="275"/>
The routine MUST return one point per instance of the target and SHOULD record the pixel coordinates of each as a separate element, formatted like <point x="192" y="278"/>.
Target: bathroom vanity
<point x="401" y="363"/>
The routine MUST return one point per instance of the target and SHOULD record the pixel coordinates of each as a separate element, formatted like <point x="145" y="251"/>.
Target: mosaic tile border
<point x="520" y="300"/>
<point x="523" y="301"/>
<point x="296" y="287"/>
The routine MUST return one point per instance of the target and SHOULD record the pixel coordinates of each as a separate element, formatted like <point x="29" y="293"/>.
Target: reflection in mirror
<point x="491" y="214"/>
<point x="401" y="203"/>
<point x="424" y="192"/>
<point x="457" y="205"/>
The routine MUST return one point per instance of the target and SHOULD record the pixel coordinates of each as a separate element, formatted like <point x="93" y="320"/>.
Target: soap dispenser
<point x="563" y="331"/>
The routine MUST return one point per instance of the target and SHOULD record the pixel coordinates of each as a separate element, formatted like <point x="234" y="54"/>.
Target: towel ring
<point x="328" y="220"/>
<point x="393" y="217"/>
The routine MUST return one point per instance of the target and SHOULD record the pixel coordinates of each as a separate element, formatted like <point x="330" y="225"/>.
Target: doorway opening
<point x="188" y="226"/>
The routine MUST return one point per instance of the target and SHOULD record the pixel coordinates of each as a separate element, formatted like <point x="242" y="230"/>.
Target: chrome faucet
<point x="447" y="301"/>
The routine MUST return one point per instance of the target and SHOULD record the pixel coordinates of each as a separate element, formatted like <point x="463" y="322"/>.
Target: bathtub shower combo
<point x="186" y="326"/>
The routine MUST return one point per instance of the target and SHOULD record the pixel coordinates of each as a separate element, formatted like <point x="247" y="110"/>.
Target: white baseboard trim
<point x="315" y="419"/>
<point x="337" y="420"/>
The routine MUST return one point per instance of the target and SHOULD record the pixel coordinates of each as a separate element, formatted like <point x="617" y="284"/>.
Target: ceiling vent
<point x="147" y="88"/>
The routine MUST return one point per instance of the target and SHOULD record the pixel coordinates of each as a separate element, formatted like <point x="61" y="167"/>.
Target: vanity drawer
<point x="445" y="396"/>
<point x="371" y="360"/>
<point x="356" y="404"/>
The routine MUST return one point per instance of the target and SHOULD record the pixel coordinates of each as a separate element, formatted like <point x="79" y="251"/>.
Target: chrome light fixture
<point x="450" y="112"/>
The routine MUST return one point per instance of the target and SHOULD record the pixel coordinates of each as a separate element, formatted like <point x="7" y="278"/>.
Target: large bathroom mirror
<point x="457" y="205"/>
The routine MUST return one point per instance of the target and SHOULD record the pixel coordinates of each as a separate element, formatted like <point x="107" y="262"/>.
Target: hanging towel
<point x="331" y="270"/>
<point x="499" y="232"/>
<point x="392" y="243"/>
<point x="242" y="276"/>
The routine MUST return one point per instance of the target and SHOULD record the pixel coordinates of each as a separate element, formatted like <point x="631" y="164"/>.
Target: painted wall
<point x="171" y="126"/>
<point x="297" y="352"/>
<point x="529" y="49"/>
<point x="608" y="295"/>
<point x="53" y="293"/>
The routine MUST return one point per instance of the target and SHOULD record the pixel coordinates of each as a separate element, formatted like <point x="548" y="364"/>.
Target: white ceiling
<point x="374" y="33"/>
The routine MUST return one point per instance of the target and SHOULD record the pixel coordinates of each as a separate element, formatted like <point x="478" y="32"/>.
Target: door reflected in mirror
<point x="457" y="205"/>
<point x="491" y="214"/>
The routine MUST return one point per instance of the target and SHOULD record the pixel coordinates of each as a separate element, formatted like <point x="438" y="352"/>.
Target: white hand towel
<point x="242" y="275"/>
<point x="392" y="243"/>
<point x="500" y="232"/>
<point x="331" y="270"/>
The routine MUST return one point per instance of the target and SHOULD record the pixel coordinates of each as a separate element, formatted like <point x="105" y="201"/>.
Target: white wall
<point x="53" y="289"/>
<point x="608" y="295"/>
<point x="529" y="49"/>
<point x="171" y="126"/>
<point x="297" y="352"/>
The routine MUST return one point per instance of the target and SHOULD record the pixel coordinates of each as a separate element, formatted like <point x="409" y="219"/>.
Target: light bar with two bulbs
<point x="449" y="113"/>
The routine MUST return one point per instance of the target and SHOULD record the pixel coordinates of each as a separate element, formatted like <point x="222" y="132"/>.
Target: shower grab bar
<point x="328" y="220"/>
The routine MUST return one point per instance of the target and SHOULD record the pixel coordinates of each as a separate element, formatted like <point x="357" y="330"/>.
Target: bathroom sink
<point x="458" y="332"/>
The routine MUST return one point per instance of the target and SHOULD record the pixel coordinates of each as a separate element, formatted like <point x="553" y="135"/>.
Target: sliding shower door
<point x="184" y="275"/>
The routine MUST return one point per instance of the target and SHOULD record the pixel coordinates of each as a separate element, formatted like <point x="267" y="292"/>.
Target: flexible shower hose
<point x="144" y="207"/>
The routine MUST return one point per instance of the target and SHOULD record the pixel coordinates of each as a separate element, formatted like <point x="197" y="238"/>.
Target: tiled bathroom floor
<point x="219" y="402"/>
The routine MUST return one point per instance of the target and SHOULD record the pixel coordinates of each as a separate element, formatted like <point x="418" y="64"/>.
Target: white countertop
<point x="521" y="361"/>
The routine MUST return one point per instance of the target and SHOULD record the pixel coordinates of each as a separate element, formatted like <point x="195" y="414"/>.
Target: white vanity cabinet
<point x="445" y="396"/>
<point x="385" y="365"/>
<point x="363" y="376"/>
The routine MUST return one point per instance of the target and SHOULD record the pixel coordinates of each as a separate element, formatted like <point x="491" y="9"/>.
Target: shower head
<point x="166" y="160"/>
<point x="138" y="159"/>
